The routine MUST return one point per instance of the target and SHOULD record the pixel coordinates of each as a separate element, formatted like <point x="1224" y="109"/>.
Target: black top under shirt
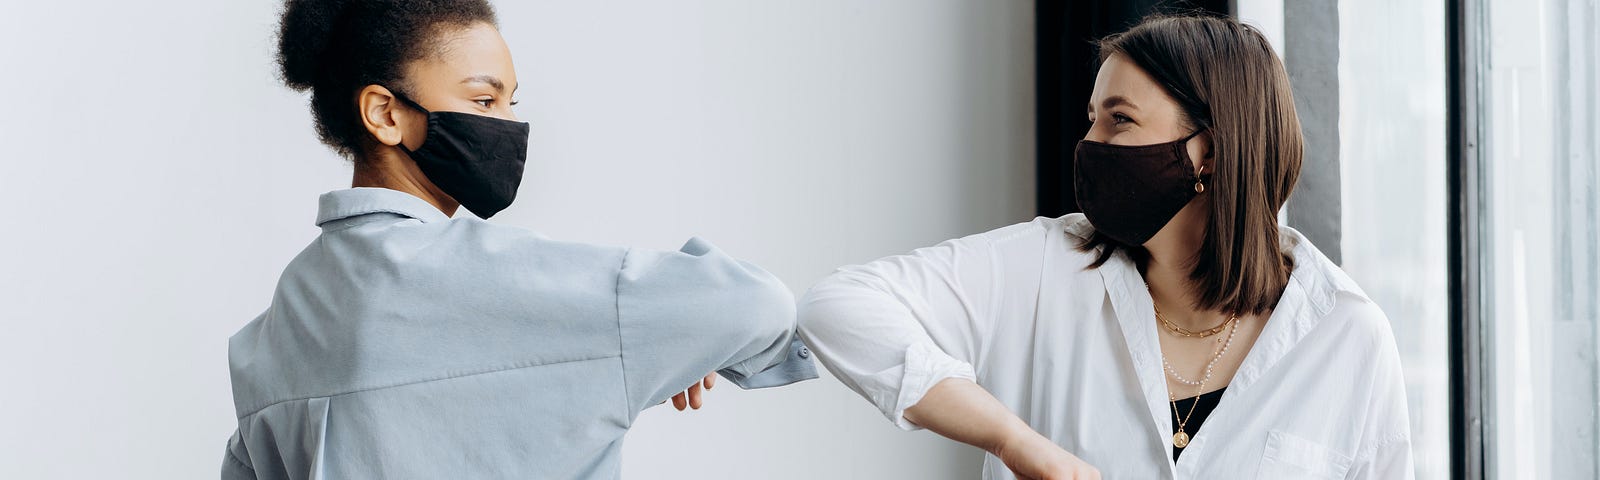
<point x="1208" y="402"/>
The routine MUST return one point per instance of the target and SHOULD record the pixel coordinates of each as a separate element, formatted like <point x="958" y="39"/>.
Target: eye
<point x="515" y="102"/>
<point x="1118" y="119"/>
<point x="485" y="102"/>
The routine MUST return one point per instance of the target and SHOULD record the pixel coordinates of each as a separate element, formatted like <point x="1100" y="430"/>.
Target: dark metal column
<point x="1467" y="58"/>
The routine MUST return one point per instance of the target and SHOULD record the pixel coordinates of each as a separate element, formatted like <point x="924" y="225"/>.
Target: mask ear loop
<point x="1199" y="176"/>
<point x="408" y="102"/>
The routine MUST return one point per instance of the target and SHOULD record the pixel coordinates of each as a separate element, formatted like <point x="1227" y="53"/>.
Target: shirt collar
<point x="1314" y="272"/>
<point x="1321" y="279"/>
<point x="351" y="202"/>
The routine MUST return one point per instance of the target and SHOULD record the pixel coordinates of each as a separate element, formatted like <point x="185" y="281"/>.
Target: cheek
<point x="415" y="131"/>
<point x="506" y="112"/>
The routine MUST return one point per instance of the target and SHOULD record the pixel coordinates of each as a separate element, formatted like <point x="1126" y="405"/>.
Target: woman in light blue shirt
<point x="404" y="343"/>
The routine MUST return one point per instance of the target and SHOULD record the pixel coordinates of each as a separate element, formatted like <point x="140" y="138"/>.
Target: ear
<point x="380" y="114"/>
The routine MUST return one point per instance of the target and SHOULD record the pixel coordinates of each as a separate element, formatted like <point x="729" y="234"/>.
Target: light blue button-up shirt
<point x="405" y="344"/>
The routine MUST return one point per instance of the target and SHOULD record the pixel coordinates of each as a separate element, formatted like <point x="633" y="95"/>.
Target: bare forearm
<point x="962" y="411"/>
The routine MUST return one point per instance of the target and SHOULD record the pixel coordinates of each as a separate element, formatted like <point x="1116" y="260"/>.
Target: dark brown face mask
<point x="1130" y="192"/>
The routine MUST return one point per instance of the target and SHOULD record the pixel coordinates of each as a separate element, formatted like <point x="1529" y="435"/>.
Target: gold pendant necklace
<point x="1181" y="438"/>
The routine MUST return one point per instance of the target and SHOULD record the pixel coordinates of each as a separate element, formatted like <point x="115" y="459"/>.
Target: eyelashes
<point x="1116" y="119"/>
<point x="489" y="102"/>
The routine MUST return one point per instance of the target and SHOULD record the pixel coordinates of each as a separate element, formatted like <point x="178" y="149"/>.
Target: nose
<point x="1098" y="132"/>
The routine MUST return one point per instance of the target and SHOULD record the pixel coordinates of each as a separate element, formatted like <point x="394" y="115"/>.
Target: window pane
<point x="1540" y="329"/>
<point x="1392" y="168"/>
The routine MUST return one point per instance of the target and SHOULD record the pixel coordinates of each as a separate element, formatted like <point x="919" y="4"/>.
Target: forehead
<point x="466" y="52"/>
<point x="1119" y="77"/>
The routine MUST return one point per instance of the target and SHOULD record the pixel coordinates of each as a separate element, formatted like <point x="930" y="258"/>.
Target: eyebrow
<point x="491" y="80"/>
<point x="1113" y="101"/>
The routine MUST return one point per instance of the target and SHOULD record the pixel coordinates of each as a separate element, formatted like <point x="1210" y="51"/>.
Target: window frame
<point x="1467" y="192"/>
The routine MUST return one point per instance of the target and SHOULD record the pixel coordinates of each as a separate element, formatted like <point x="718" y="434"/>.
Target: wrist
<point x="1013" y="435"/>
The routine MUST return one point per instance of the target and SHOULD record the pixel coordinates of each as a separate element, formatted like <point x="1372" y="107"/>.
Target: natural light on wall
<point x="1543" y="145"/>
<point x="1392" y="160"/>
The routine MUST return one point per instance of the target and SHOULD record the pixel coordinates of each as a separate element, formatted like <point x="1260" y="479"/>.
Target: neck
<point x="393" y="171"/>
<point x="1171" y="258"/>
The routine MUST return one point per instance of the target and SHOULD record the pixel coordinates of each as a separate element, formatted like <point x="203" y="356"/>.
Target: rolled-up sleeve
<point x="894" y="328"/>
<point x="683" y="314"/>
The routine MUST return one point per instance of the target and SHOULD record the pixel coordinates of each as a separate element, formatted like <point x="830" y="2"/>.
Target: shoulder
<point x="516" y="246"/>
<point x="1336" y="297"/>
<point x="1068" y="227"/>
<point x="468" y="258"/>
<point x="1016" y="251"/>
<point x="1055" y="244"/>
<point x="1032" y="237"/>
<point x="1367" y="325"/>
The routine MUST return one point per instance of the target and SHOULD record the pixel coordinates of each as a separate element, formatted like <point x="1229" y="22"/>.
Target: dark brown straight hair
<point x="1227" y="80"/>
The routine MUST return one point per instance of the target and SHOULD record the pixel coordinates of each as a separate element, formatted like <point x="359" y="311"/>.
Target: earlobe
<point x="378" y="106"/>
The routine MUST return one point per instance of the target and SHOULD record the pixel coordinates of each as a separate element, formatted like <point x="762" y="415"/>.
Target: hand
<point x="1033" y="457"/>
<point x="692" y="397"/>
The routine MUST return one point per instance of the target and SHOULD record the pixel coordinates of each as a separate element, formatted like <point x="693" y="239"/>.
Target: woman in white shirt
<point x="1100" y="343"/>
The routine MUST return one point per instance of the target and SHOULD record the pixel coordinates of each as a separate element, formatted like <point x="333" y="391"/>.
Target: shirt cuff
<point x="797" y="365"/>
<point x="925" y="366"/>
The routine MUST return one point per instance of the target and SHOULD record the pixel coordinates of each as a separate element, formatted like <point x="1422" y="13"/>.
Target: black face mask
<point x="1130" y="192"/>
<point x="475" y="159"/>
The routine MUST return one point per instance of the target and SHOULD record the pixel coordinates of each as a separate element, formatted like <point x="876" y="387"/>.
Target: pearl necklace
<point x="1180" y="439"/>
<point x="1233" y="328"/>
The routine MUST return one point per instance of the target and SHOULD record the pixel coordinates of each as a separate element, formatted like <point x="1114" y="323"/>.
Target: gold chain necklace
<point x="1174" y="328"/>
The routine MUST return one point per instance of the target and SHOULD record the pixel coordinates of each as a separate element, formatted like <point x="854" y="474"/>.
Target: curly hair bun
<point x="303" y="38"/>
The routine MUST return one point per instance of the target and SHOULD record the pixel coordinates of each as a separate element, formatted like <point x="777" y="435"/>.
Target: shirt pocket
<point x="1291" y="457"/>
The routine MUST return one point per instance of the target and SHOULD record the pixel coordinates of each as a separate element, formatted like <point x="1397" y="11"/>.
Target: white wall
<point x="159" y="178"/>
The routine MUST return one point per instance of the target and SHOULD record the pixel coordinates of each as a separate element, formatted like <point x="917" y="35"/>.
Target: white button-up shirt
<point x="1074" y="352"/>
